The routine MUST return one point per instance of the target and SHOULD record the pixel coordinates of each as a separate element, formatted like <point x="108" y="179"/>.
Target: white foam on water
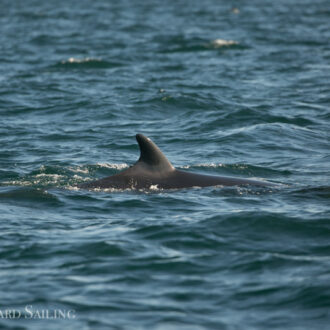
<point x="211" y="165"/>
<point x="54" y="177"/>
<point x="79" y="170"/>
<point x="81" y="60"/>
<point x="113" y="166"/>
<point x="154" y="187"/>
<point x="217" y="43"/>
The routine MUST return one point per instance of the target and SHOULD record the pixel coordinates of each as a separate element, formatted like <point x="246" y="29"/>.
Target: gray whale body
<point x="154" y="170"/>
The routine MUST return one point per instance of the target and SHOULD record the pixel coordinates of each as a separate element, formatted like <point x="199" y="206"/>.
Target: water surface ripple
<point x="239" y="91"/>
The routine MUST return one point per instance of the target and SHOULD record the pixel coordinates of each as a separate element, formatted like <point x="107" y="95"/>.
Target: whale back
<point x="153" y="169"/>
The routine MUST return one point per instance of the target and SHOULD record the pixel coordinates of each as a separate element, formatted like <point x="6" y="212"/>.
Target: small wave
<point x="103" y="248"/>
<point x="81" y="172"/>
<point x="88" y="62"/>
<point x="151" y="189"/>
<point x="19" y="183"/>
<point x="183" y="44"/>
<point x="54" y="177"/>
<point x="86" y="169"/>
<point x="218" y="43"/>
<point x="79" y="169"/>
<point x="37" y="180"/>
<point x="113" y="166"/>
<point x="108" y="190"/>
<point x="29" y="195"/>
<point x="77" y="60"/>
<point x="57" y="176"/>
<point x="211" y="165"/>
<point x="235" y="10"/>
<point x="313" y="192"/>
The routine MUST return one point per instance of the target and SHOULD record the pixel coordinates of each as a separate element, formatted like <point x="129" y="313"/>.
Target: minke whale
<point x="154" y="171"/>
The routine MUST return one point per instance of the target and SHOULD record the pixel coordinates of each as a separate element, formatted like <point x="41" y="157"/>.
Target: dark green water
<point x="226" y="88"/>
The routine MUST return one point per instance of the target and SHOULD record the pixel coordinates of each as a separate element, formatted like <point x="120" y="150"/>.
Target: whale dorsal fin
<point x="151" y="155"/>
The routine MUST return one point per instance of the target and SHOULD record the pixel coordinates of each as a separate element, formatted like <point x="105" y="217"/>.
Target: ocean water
<point x="237" y="88"/>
